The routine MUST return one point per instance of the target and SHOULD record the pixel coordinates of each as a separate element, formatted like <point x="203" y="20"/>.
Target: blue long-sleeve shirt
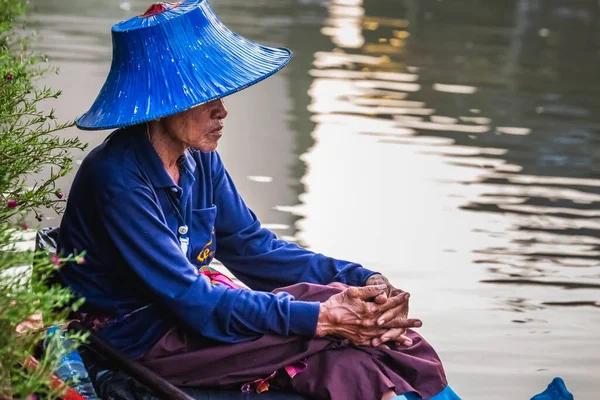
<point x="133" y="221"/>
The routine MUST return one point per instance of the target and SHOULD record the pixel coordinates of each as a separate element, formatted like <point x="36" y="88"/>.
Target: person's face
<point x="200" y="127"/>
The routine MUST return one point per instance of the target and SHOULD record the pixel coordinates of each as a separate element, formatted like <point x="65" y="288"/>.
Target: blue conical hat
<point x="172" y="58"/>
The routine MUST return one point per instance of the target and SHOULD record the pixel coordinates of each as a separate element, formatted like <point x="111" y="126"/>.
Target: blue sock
<point x="556" y="390"/>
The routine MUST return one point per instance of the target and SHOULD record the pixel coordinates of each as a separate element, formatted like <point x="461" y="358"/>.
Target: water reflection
<point x="364" y="86"/>
<point x="455" y="146"/>
<point x="451" y="145"/>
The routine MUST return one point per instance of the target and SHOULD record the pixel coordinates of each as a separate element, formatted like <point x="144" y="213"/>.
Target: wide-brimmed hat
<point x="172" y="58"/>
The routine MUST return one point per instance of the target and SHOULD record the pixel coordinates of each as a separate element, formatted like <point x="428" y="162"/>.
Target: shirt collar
<point x="151" y="162"/>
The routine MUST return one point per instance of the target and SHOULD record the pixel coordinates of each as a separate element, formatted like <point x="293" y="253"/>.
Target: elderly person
<point x="153" y="206"/>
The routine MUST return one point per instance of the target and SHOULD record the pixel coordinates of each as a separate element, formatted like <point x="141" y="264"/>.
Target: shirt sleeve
<point x="136" y="224"/>
<point x="257" y="257"/>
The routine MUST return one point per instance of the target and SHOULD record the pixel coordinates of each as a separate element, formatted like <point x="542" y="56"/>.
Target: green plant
<point x="32" y="159"/>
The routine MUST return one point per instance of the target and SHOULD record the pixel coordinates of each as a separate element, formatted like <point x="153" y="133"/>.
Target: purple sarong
<point x="335" y="369"/>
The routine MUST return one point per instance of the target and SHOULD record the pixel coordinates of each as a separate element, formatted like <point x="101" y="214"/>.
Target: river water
<point x="451" y="145"/>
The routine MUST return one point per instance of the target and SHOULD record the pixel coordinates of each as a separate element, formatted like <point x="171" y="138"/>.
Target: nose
<point x="219" y="111"/>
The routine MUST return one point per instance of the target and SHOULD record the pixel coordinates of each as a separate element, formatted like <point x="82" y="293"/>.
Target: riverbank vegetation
<point x="33" y="157"/>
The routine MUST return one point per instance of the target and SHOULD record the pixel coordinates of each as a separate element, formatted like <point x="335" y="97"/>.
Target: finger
<point x="381" y="299"/>
<point x="400" y="312"/>
<point x="366" y="292"/>
<point x="375" y="334"/>
<point x="403" y="323"/>
<point x="392" y="335"/>
<point x="379" y="344"/>
<point x="365" y="338"/>
<point x="395" y="301"/>
<point x="405" y="340"/>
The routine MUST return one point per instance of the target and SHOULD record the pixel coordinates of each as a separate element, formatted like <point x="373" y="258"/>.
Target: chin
<point x="206" y="147"/>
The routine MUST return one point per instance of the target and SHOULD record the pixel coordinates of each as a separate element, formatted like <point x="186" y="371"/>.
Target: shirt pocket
<point x="203" y="238"/>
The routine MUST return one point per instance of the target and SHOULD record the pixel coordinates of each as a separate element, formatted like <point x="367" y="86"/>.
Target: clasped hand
<point x="367" y="316"/>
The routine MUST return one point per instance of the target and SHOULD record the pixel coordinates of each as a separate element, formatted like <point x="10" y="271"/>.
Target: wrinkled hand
<point x="349" y="315"/>
<point x="378" y="279"/>
<point x="395" y="318"/>
<point x="400" y="311"/>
